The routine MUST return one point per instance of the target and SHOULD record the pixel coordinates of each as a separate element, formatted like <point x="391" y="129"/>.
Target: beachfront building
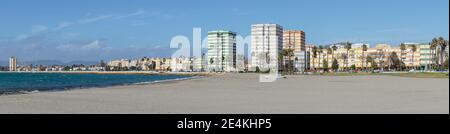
<point x="267" y="42"/>
<point x="12" y="64"/>
<point x="119" y="65"/>
<point x="199" y="64"/>
<point x="345" y="58"/>
<point x="181" y="64"/>
<point x="294" y="40"/>
<point x="301" y="61"/>
<point x="426" y="56"/>
<point x="356" y="57"/>
<point x="221" y="51"/>
<point x="360" y="60"/>
<point x="411" y="57"/>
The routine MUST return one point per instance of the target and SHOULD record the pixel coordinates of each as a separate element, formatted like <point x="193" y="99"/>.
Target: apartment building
<point x="295" y="40"/>
<point x="12" y="64"/>
<point x="221" y="51"/>
<point x="267" y="42"/>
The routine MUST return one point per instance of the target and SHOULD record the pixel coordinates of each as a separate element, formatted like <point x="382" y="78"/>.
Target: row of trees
<point x="392" y="60"/>
<point x="317" y="51"/>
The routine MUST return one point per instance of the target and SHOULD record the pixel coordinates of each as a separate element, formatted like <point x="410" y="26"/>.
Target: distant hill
<point x="50" y="62"/>
<point x="3" y="63"/>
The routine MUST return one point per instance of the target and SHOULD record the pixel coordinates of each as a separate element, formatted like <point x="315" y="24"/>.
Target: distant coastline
<point x="121" y="72"/>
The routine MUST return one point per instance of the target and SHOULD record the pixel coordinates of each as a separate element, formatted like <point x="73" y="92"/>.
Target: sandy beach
<point x="243" y="93"/>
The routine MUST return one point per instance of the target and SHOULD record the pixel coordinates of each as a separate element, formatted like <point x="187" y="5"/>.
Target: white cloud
<point x="21" y="37"/>
<point x="95" y="45"/>
<point x="65" y="47"/>
<point x="64" y="24"/>
<point x="94" y="19"/>
<point x="38" y="29"/>
<point x="136" y="13"/>
<point x="35" y="30"/>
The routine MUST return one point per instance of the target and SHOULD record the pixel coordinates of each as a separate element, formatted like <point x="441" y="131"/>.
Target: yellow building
<point x="357" y="57"/>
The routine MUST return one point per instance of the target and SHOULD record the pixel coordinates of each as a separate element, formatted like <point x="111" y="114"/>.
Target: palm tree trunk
<point x="362" y="61"/>
<point x="346" y="61"/>
<point x="314" y="63"/>
<point x="442" y="57"/>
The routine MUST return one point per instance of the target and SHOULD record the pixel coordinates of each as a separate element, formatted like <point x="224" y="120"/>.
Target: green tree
<point x="334" y="48"/>
<point x="364" y="49"/>
<point x="369" y="59"/>
<point x="402" y="50"/>
<point x="348" y="46"/>
<point x="320" y="51"/>
<point x="329" y="52"/>
<point x="314" y="51"/>
<point x="325" y="65"/>
<point x="395" y="61"/>
<point x="433" y="45"/>
<point x="335" y="65"/>
<point x="413" y="49"/>
<point x="442" y="44"/>
<point x="446" y="64"/>
<point x="286" y="56"/>
<point x="353" y="67"/>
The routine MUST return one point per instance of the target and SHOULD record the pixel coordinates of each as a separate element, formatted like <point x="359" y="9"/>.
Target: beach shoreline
<point x="104" y="87"/>
<point x="243" y="93"/>
<point x="121" y="72"/>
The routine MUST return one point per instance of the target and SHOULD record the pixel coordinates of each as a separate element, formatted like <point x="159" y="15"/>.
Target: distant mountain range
<point x="50" y="62"/>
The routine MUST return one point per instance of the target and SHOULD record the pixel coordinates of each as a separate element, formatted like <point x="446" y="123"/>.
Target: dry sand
<point x="242" y="93"/>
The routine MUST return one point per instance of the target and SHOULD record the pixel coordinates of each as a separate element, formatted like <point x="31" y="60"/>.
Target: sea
<point x="19" y="83"/>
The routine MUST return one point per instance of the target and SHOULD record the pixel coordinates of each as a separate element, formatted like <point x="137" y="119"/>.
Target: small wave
<point x="18" y="92"/>
<point x="162" y="81"/>
<point x="28" y="92"/>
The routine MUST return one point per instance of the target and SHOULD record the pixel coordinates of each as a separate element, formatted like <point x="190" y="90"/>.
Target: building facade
<point x="221" y="51"/>
<point x="267" y="42"/>
<point x="12" y="64"/>
<point x="301" y="61"/>
<point x="295" y="40"/>
<point x="412" y="57"/>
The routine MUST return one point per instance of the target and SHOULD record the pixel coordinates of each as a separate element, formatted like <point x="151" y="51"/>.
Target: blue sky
<point x="109" y="29"/>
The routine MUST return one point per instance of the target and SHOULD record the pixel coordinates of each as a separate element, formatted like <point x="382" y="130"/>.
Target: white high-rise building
<point x="267" y="42"/>
<point x="12" y="64"/>
<point x="221" y="51"/>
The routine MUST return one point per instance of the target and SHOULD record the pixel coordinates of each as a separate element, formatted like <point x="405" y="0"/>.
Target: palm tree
<point x="369" y="59"/>
<point x="364" y="49"/>
<point x="325" y="65"/>
<point x="334" y="47"/>
<point x="442" y="44"/>
<point x="211" y="61"/>
<point x="222" y="62"/>
<point x="413" y="49"/>
<point x="320" y="52"/>
<point x="290" y="54"/>
<point x="434" y="43"/>
<point x="344" y="58"/>
<point x="348" y="46"/>
<point x="329" y="52"/>
<point x="402" y="48"/>
<point x="314" y="50"/>
<point x="281" y="58"/>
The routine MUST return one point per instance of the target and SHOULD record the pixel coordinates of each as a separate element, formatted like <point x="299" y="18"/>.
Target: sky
<point x="87" y="30"/>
